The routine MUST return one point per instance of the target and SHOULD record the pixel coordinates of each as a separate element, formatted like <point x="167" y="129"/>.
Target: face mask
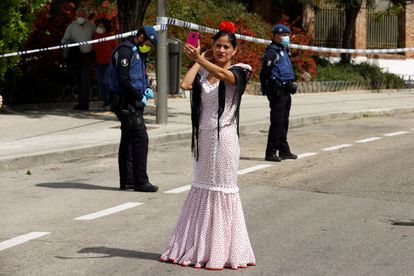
<point x="100" y="30"/>
<point x="144" y="49"/>
<point x="285" y="41"/>
<point x="80" y="20"/>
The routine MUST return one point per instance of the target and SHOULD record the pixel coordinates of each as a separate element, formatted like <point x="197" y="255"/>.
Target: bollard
<point x="174" y="65"/>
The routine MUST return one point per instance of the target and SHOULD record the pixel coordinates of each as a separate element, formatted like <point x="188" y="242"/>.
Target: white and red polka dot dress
<point x="211" y="231"/>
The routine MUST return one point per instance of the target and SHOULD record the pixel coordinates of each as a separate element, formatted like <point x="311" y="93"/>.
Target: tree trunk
<point x="352" y="9"/>
<point x="131" y="14"/>
<point x="402" y="19"/>
<point x="308" y="22"/>
<point x="264" y="8"/>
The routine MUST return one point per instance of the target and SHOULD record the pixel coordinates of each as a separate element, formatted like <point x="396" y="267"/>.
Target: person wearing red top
<point x="103" y="52"/>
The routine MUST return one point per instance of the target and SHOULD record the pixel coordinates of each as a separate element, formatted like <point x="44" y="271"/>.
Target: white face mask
<point x="100" y="30"/>
<point x="80" y="20"/>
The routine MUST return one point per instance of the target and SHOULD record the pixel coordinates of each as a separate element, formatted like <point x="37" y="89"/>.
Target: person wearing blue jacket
<point x="277" y="83"/>
<point x="130" y="91"/>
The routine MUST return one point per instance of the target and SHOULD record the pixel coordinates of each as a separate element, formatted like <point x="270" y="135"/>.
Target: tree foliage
<point x="16" y="17"/>
<point x="37" y="76"/>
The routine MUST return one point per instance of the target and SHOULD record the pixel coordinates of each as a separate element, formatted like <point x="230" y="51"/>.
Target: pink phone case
<point x="192" y="39"/>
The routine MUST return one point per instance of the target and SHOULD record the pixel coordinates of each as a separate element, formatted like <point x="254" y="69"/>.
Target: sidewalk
<point x="34" y="138"/>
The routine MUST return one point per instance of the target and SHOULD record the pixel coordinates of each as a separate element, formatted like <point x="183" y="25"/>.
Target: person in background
<point x="277" y="83"/>
<point x="80" y="58"/>
<point x="103" y="52"/>
<point x="211" y="231"/>
<point x="1" y="101"/>
<point x="130" y="89"/>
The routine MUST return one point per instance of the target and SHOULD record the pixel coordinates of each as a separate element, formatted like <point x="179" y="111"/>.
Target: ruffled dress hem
<point x="210" y="233"/>
<point x="200" y="265"/>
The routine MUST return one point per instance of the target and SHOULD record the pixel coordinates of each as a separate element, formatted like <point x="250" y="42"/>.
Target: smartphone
<point x="192" y="39"/>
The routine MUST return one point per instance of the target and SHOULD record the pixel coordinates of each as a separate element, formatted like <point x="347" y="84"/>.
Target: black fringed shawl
<point x="242" y="77"/>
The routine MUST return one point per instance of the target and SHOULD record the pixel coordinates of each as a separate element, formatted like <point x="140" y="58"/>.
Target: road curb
<point x="66" y="155"/>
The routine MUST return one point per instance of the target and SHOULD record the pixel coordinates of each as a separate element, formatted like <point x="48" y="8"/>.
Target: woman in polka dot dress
<point x="211" y="230"/>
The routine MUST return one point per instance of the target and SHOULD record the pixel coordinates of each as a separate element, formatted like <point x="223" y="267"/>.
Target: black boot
<point x="82" y="107"/>
<point x="147" y="187"/>
<point x="126" y="187"/>
<point x="289" y="155"/>
<point x="273" y="157"/>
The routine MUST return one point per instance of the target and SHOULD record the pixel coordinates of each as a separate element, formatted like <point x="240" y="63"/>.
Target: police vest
<point x="137" y="75"/>
<point x="282" y="66"/>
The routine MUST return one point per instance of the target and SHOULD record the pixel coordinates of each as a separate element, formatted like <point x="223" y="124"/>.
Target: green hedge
<point x="356" y="72"/>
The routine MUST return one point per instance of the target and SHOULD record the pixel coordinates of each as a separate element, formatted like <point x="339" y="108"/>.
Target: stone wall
<point x="409" y="28"/>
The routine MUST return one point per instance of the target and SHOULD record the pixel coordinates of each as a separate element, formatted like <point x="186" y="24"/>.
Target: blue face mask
<point x="285" y="41"/>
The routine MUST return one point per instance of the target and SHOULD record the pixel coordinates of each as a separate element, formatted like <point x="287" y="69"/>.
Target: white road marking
<point x="21" y="239"/>
<point x="367" y="140"/>
<point x="337" y="147"/>
<point x="395" y="133"/>
<point x="241" y="172"/>
<point x="300" y="156"/>
<point x="179" y="190"/>
<point x="252" y="169"/>
<point x="244" y="171"/>
<point x="306" y="154"/>
<point x="109" y="211"/>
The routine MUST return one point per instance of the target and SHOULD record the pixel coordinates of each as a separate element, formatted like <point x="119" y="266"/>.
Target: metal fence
<point x="329" y="26"/>
<point x="408" y="80"/>
<point x="382" y="30"/>
<point x="343" y="85"/>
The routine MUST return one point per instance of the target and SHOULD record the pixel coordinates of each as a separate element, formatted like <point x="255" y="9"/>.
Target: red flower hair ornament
<point x="227" y="26"/>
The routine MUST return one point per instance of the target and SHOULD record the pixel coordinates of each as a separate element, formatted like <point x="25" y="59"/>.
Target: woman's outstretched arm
<point x="187" y="81"/>
<point x="217" y="71"/>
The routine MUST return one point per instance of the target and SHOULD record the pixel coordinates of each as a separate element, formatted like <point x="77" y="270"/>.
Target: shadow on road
<point x="114" y="252"/>
<point x="36" y="111"/>
<point x="251" y="158"/>
<point x="74" y="185"/>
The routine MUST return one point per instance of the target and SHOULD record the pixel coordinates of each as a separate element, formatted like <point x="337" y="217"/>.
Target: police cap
<point x="151" y="34"/>
<point x="280" y="29"/>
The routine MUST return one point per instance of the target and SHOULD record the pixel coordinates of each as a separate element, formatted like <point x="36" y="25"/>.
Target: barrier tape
<point x="163" y="22"/>
<point x="188" y="25"/>
<point x="64" y="46"/>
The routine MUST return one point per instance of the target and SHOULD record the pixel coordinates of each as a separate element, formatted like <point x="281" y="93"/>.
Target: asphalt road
<point x="334" y="211"/>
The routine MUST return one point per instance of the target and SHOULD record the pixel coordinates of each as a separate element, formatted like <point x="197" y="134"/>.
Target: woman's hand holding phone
<point x="192" y="39"/>
<point x="192" y="47"/>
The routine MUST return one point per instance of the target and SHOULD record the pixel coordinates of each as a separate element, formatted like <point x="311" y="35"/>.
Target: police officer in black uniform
<point x="130" y="91"/>
<point x="277" y="83"/>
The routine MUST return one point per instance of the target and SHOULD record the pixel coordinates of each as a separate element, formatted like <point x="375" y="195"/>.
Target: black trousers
<point x="132" y="155"/>
<point x="82" y="73"/>
<point x="279" y="104"/>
